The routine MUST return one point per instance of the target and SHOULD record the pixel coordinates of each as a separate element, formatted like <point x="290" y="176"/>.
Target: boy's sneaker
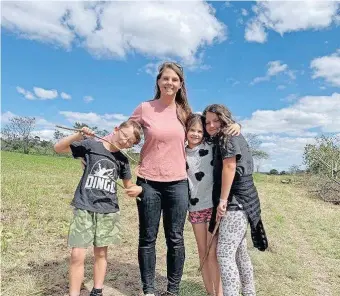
<point x="166" y="293"/>
<point x="96" y="292"/>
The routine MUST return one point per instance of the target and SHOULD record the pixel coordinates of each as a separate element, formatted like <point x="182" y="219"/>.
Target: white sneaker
<point x="150" y="294"/>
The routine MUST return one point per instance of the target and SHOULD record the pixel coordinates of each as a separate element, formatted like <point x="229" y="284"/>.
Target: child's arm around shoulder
<point x="234" y="129"/>
<point x="63" y="146"/>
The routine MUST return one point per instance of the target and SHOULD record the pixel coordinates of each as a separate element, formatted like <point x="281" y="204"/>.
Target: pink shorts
<point x="203" y="216"/>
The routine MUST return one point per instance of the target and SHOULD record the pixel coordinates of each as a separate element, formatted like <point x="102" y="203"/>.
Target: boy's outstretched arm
<point x="131" y="190"/>
<point x="63" y="146"/>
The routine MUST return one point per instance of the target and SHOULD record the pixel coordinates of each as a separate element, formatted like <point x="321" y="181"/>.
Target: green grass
<point x="303" y="232"/>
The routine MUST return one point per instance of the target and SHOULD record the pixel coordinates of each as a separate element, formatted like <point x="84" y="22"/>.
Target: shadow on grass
<point x="51" y="279"/>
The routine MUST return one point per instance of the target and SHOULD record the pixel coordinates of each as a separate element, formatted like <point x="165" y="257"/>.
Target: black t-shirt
<point x="238" y="146"/>
<point x="96" y="191"/>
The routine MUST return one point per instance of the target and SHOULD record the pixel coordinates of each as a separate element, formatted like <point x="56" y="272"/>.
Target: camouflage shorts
<point x="93" y="229"/>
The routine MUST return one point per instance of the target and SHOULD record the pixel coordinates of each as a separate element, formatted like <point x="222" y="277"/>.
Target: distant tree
<point x="273" y="172"/>
<point x="254" y="144"/>
<point x="17" y="134"/>
<point x="322" y="161"/>
<point x="58" y="135"/>
<point x="294" y="169"/>
<point x="283" y="173"/>
<point x="324" y="156"/>
<point x="97" y="131"/>
<point x="102" y="133"/>
<point x="79" y="125"/>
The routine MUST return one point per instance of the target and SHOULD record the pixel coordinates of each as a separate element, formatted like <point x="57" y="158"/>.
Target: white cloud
<point x="65" y="96"/>
<point x="232" y="81"/>
<point x="327" y="67"/>
<point x="6" y="116"/>
<point x="117" y="28"/>
<point x="105" y="121"/>
<point x="45" y="94"/>
<point x="281" y="87"/>
<point x="45" y="134"/>
<point x="42" y="94"/>
<point x="255" y="32"/>
<point x="88" y="99"/>
<point x="274" y="68"/>
<point x="289" y="16"/>
<point x="151" y="68"/>
<point x="283" y="151"/>
<point x="27" y="94"/>
<point x="309" y="112"/>
<point x="43" y="123"/>
<point x="244" y="12"/>
<point x="290" y="98"/>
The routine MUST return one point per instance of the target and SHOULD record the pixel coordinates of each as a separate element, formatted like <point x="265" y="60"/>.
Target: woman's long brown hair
<point x="183" y="109"/>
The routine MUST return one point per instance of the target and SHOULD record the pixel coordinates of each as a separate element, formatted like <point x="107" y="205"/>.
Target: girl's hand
<point x="134" y="191"/>
<point x="221" y="209"/>
<point x="234" y="129"/>
<point x="87" y="131"/>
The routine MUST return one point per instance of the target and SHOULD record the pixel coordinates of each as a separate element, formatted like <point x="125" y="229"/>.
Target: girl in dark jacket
<point x="236" y="203"/>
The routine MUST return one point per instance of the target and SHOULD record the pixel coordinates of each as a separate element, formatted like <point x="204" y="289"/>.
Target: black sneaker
<point x="96" y="292"/>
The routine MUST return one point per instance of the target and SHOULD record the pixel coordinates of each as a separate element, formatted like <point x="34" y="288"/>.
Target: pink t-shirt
<point x="163" y="153"/>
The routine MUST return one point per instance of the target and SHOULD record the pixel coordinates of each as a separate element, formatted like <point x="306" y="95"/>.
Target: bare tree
<point x="58" y="135"/>
<point x="293" y="169"/>
<point x="18" y="132"/>
<point x="254" y="144"/>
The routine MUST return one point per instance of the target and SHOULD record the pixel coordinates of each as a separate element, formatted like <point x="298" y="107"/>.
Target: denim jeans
<point x="172" y="198"/>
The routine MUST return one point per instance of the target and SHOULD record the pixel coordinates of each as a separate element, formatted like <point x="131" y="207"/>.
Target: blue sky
<point x="276" y="65"/>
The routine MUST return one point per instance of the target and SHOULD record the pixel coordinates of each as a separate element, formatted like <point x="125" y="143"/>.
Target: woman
<point x="163" y="177"/>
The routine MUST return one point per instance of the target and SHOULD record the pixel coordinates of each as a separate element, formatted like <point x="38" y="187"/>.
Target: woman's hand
<point x="234" y="129"/>
<point x="134" y="191"/>
<point x="221" y="209"/>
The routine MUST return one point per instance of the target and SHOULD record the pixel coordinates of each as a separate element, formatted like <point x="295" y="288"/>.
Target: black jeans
<point x="172" y="198"/>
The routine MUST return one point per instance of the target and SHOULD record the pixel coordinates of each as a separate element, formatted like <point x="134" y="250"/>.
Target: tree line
<point x="19" y="135"/>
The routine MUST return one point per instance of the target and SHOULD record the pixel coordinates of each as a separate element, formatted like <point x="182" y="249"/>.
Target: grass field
<point x="303" y="232"/>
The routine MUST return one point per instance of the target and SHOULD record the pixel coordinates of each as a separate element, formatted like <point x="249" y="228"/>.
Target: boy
<point x="96" y="211"/>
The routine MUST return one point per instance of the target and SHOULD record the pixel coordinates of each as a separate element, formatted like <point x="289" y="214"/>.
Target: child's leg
<point x="245" y="268"/>
<point x="213" y="266"/>
<point x="80" y="237"/>
<point x="200" y="231"/>
<point x="231" y="233"/>
<point x="99" y="268"/>
<point x="107" y="233"/>
<point x="76" y="273"/>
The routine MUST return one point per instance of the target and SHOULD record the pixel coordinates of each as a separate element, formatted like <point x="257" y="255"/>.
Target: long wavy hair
<point x="225" y="117"/>
<point x="183" y="109"/>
